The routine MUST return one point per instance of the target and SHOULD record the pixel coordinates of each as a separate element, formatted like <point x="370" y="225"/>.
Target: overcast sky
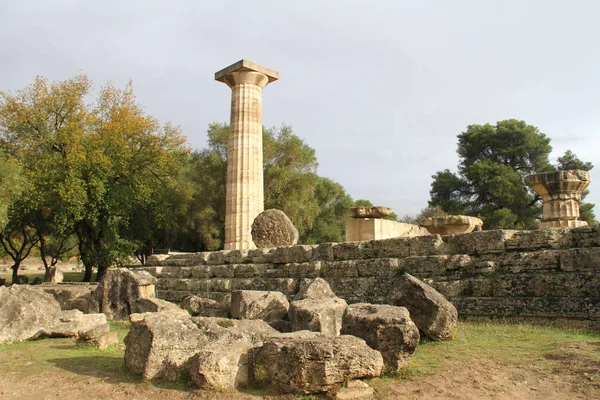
<point x="379" y="89"/>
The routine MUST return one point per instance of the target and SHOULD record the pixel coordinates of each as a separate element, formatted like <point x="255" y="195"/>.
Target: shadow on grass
<point x="110" y="369"/>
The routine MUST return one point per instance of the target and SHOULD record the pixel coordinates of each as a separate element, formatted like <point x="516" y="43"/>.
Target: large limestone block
<point x="272" y="228"/>
<point x="156" y="305"/>
<point x="304" y="364"/>
<point x="256" y="304"/>
<point x="74" y="323"/>
<point x="120" y="289"/>
<point x="65" y="293"/>
<point x="386" y="328"/>
<point x="433" y="314"/>
<point x="160" y="345"/>
<point x="25" y="312"/>
<point x="203" y="307"/>
<point x="315" y="289"/>
<point x="318" y="315"/>
<point x="222" y="365"/>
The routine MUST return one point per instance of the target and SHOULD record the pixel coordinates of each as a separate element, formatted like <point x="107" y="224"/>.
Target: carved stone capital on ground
<point x="450" y="224"/>
<point x="369" y="212"/>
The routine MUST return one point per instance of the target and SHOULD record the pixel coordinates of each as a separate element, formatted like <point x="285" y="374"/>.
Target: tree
<point x="493" y="160"/>
<point x="92" y="169"/>
<point x="317" y="206"/>
<point x="10" y="185"/>
<point x="570" y="161"/>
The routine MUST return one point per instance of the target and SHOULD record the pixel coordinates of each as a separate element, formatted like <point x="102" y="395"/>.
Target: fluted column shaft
<point x="244" y="187"/>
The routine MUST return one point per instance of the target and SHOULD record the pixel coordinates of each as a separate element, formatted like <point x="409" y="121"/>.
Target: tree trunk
<point x="15" y="273"/>
<point x="87" y="276"/>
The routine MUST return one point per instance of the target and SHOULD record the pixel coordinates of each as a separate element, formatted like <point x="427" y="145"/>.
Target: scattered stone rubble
<point x="28" y="313"/>
<point x="331" y="343"/>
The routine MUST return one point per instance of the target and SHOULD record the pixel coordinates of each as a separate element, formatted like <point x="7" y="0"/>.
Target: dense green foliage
<point x="493" y="160"/>
<point x="102" y="172"/>
<point x="103" y="180"/>
<point x="317" y="206"/>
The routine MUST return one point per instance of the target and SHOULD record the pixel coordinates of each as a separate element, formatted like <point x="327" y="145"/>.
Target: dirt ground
<point x="568" y="374"/>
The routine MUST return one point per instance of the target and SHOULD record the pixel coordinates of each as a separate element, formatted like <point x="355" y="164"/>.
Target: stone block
<point x="587" y="236"/>
<point x="385" y="328"/>
<point x="558" y="238"/>
<point x="223" y="271"/>
<point x="287" y="286"/>
<point x="389" y="248"/>
<point x="350" y="250"/>
<point x="459" y="262"/>
<point x="260" y="256"/>
<point x="249" y="284"/>
<point x="427" y="246"/>
<point x="378" y="267"/>
<point x="300" y="270"/>
<point x="318" y="315"/>
<point x="292" y="254"/>
<point x="202" y="272"/>
<point x="423" y="265"/>
<point x="345" y="268"/>
<point x="323" y="252"/>
<point x="302" y="364"/>
<point x="584" y="259"/>
<point x="515" y="262"/>
<point x="203" y="307"/>
<point x="433" y="314"/>
<point x="479" y="242"/>
<point x="254" y="304"/>
<point x="249" y="270"/>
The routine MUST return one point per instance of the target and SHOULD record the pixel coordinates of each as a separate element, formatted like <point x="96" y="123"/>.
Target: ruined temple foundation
<point x="244" y="186"/>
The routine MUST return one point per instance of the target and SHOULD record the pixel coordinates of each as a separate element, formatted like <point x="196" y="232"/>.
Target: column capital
<point x="245" y="71"/>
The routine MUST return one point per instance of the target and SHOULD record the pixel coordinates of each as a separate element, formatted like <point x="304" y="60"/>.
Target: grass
<point x="513" y="344"/>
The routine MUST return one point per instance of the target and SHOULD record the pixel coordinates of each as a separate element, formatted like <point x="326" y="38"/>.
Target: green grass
<point x="511" y="344"/>
<point x="514" y="344"/>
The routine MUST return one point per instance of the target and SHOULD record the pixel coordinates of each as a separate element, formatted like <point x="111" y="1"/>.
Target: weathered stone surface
<point x="451" y="224"/>
<point x="580" y="259"/>
<point x="433" y="314"/>
<point x="314" y="289"/>
<point x="160" y="345"/>
<point x="222" y="365"/>
<point x="156" y="305"/>
<point x="255" y="304"/>
<point x="303" y="364"/>
<point x="319" y="315"/>
<point x="292" y="254"/>
<point x="385" y="328"/>
<point x="203" y="307"/>
<point x="369" y="212"/>
<point x="25" y="312"/>
<point x="272" y="228"/>
<point x="66" y="293"/>
<point x="74" y="323"/>
<point x="120" y="289"/>
<point x="482" y="242"/>
<point x="540" y="239"/>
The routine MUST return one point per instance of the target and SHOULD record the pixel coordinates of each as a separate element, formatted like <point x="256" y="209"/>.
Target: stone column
<point x="561" y="192"/>
<point x="244" y="187"/>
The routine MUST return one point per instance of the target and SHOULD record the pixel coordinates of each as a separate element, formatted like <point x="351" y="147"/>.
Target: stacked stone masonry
<point x="543" y="274"/>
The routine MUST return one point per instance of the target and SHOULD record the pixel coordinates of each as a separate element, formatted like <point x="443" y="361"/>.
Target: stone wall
<point x="548" y="274"/>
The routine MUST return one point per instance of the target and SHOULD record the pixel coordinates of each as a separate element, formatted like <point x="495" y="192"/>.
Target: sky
<point x="379" y="89"/>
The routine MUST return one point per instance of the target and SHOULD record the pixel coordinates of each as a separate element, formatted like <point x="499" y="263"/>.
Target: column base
<point x="560" y="224"/>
